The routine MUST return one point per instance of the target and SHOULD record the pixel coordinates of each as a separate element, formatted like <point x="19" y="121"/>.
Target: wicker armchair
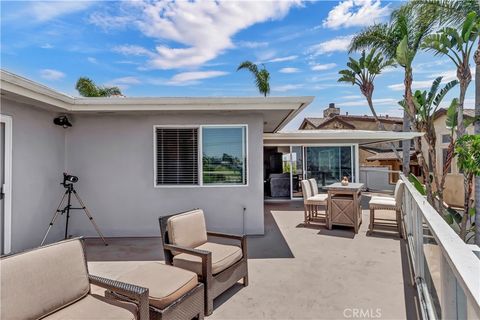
<point x="388" y="203"/>
<point x="186" y="245"/>
<point x="52" y="282"/>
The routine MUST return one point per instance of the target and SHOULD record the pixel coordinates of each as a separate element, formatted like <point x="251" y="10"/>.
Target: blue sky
<point x="164" y="48"/>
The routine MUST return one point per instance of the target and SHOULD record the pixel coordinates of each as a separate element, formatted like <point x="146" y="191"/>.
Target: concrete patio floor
<point x="296" y="271"/>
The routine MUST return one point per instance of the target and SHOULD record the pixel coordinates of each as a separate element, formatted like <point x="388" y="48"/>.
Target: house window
<point x="224" y="155"/>
<point x="176" y="156"/>
<point x="444" y="160"/>
<point x="223" y="159"/>
<point x="446" y="138"/>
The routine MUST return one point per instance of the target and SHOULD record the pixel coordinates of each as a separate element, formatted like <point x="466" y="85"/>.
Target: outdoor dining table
<point x="344" y="205"/>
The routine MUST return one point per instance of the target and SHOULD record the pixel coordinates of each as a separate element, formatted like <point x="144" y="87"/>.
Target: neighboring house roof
<point x="336" y="119"/>
<point x="318" y="123"/>
<point x="275" y="111"/>
<point x="388" y="156"/>
<point x="361" y="137"/>
<point x="467" y="113"/>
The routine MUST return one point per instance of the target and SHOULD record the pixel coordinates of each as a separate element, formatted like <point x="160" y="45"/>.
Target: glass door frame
<point x="355" y="163"/>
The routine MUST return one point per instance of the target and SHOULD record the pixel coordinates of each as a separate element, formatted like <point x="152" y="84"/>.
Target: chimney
<point x="331" y="111"/>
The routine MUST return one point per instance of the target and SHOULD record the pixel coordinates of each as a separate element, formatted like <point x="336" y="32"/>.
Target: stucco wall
<point x="37" y="165"/>
<point x="113" y="157"/>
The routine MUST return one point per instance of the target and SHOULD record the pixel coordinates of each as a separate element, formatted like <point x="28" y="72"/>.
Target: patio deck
<point x="297" y="271"/>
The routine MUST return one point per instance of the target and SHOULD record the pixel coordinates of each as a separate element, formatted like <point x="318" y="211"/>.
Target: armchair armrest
<point x="241" y="238"/>
<point x="136" y="293"/>
<point x="206" y="257"/>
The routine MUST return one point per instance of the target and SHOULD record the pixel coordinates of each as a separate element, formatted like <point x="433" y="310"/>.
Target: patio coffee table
<point x="344" y="205"/>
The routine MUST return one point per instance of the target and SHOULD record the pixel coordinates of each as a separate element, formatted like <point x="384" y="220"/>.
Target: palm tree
<point x="455" y="11"/>
<point x="457" y="45"/>
<point x="362" y="72"/>
<point x="262" y="77"/>
<point x="87" y="88"/>
<point x="426" y="104"/>
<point x="400" y="39"/>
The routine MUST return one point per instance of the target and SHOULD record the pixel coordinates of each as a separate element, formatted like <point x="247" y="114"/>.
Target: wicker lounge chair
<point x="218" y="266"/>
<point x="52" y="282"/>
<point x="174" y="293"/>
<point x="388" y="203"/>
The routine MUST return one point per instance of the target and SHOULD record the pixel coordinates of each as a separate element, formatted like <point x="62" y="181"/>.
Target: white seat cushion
<point x="382" y="201"/>
<point x="187" y="229"/>
<point x="223" y="256"/>
<point x="165" y="283"/>
<point x="96" y="307"/>
<point x="319" y="197"/>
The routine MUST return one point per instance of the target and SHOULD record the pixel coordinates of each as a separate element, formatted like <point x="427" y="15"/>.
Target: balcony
<point x="310" y="272"/>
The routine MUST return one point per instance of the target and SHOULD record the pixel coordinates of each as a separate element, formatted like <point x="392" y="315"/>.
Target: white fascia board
<point x="362" y="136"/>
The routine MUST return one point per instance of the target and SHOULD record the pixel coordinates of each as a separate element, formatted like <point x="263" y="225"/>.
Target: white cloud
<point x="185" y="78"/>
<point x="338" y="44"/>
<point x="448" y="76"/>
<point x="287" y="87"/>
<point x="133" y="50"/>
<point x="47" y="10"/>
<point x="358" y="13"/>
<point x="289" y="70"/>
<point x="124" y="82"/>
<point x="51" y="74"/>
<point x="282" y="59"/>
<point x="252" y="44"/>
<point x="108" y="22"/>
<point x="46" y="46"/>
<point x="321" y="67"/>
<point x="200" y="30"/>
<point x="92" y="60"/>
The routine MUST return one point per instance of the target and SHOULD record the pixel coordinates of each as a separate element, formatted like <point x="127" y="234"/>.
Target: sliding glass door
<point x="329" y="164"/>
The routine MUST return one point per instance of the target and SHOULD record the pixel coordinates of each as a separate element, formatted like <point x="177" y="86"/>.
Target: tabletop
<point x="350" y="186"/>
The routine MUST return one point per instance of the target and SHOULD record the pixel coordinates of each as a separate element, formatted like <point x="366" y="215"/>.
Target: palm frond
<point x="443" y="92"/>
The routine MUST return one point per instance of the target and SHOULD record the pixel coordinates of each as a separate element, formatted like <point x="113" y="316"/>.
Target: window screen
<point x="176" y="156"/>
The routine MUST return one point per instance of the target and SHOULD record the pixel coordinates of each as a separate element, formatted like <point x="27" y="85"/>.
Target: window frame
<point x="200" y="183"/>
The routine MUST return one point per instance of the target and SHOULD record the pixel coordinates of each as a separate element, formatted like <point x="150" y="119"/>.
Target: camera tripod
<point x="68" y="194"/>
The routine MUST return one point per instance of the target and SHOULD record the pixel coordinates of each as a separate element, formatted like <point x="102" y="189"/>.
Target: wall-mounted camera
<point x="62" y="121"/>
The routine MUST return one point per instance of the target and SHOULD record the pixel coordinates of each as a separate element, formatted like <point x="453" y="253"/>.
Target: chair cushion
<point x="382" y="201"/>
<point x="165" y="283"/>
<point x="187" y="229"/>
<point x="223" y="256"/>
<point x="94" y="306"/>
<point x="306" y="189"/>
<point x="37" y="282"/>
<point x="319" y="197"/>
<point x="313" y="186"/>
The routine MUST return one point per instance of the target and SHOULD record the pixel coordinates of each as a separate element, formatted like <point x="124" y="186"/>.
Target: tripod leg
<point x="53" y="219"/>
<point x="90" y="217"/>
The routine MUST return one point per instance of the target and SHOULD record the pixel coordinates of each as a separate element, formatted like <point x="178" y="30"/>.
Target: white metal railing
<point x="446" y="271"/>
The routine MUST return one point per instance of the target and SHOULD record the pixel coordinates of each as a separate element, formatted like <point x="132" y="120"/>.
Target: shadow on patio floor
<point x="269" y="246"/>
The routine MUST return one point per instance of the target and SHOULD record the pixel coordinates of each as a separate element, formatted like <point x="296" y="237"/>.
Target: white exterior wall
<point x="113" y="158"/>
<point x="38" y="156"/>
